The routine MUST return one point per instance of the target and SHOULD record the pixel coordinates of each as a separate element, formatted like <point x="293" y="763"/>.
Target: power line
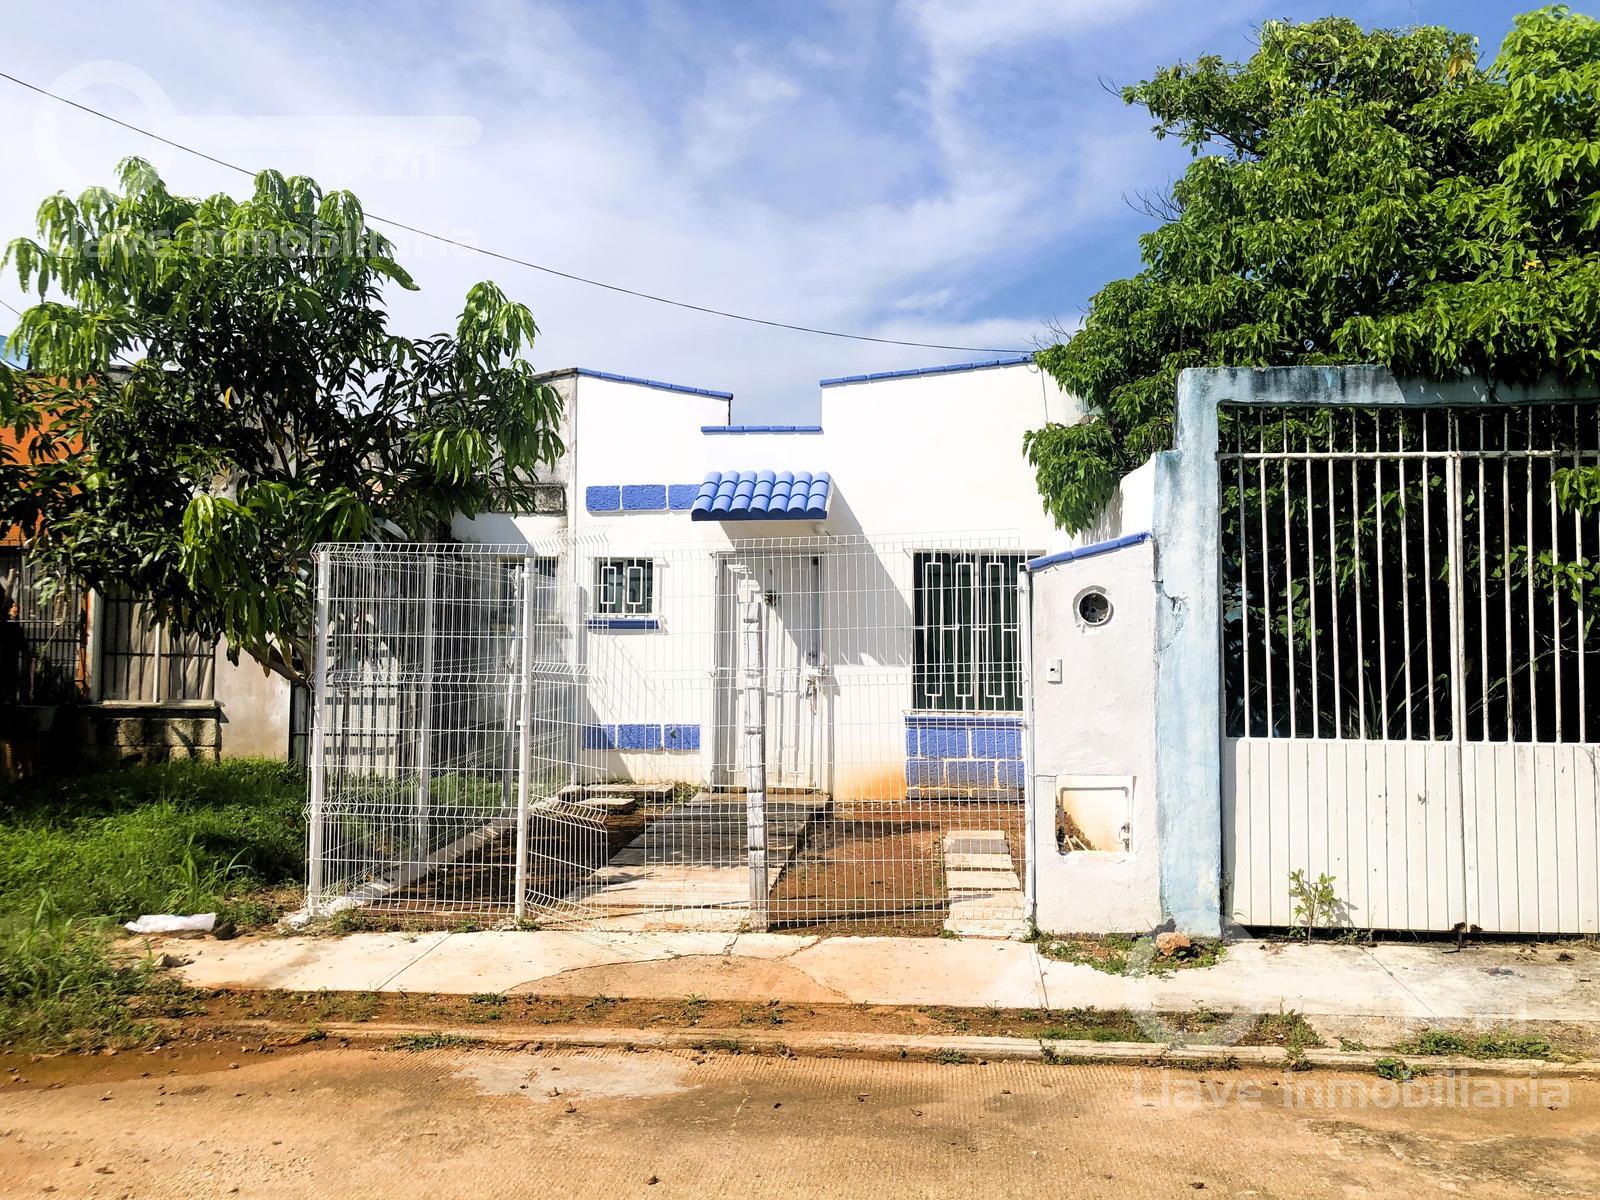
<point x="521" y="262"/>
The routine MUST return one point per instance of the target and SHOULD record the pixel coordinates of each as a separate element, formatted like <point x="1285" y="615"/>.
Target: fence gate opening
<point x="741" y="734"/>
<point x="1411" y="681"/>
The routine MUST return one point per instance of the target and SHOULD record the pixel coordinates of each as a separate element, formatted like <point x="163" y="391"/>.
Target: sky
<point x="926" y="170"/>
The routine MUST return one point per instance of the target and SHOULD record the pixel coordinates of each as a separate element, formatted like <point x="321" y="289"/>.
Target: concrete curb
<point x="903" y="1047"/>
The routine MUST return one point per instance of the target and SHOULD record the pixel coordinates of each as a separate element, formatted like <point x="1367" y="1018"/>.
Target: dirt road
<point x="210" y="1121"/>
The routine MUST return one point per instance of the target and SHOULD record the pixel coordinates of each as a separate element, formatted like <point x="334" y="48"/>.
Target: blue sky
<point x="920" y="169"/>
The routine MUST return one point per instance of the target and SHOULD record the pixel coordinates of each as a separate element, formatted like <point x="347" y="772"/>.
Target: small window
<point x="141" y="660"/>
<point x="624" y="587"/>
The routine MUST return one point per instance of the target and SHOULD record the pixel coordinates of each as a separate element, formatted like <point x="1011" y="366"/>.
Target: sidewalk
<point x="1410" y="984"/>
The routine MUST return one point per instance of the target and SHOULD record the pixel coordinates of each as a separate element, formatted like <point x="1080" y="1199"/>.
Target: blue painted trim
<point x="652" y="383"/>
<point x="948" y="369"/>
<point x="965" y="720"/>
<point x="614" y="623"/>
<point x="1090" y="551"/>
<point x="603" y="498"/>
<point x="644" y="497"/>
<point x="761" y="429"/>
<point x="680" y="737"/>
<point x="681" y="496"/>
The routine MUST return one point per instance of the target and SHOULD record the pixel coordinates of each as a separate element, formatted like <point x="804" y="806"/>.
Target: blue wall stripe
<point x="652" y="383"/>
<point x="945" y="370"/>
<point x="761" y="429"/>
<point x="1066" y="556"/>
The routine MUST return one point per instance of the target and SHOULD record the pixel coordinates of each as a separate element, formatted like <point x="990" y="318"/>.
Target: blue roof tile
<point x="763" y="496"/>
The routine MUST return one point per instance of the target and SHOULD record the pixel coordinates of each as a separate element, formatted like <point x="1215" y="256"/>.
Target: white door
<point x="792" y="667"/>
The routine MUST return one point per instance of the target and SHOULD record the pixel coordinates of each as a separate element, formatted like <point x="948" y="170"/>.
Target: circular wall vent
<point x="1094" y="608"/>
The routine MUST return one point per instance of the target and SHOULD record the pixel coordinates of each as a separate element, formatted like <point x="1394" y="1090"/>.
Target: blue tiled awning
<point x="763" y="496"/>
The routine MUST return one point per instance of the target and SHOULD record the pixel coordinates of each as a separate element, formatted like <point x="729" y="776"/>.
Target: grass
<point x="79" y="854"/>
<point x="1122" y="954"/>
<point x="1493" y="1043"/>
<point x="432" y="1041"/>
<point x="185" y="837"/>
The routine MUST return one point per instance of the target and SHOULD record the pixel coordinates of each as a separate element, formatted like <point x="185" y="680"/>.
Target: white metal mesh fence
<point x="769" y="734"/>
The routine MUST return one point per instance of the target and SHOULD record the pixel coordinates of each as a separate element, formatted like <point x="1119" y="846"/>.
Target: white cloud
<point x="826" y="182"/>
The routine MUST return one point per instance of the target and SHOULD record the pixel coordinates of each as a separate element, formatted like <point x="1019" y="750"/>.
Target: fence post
<point x="422" y="818"/>
<point x="1030" y="791"/>
<point x="524" y="737"/>
<point x="752" y="617"/>
<point x="319" y="739"/>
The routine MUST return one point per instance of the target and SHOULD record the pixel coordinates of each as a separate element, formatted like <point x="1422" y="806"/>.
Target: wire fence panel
<point x="749" y="733"/>
<point x="1411" y="673"/>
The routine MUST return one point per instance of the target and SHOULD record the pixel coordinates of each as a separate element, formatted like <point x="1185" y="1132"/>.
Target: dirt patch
<point x="883" y="866"/>
<point x="357" y="1122"/>
<point x="211" y="1015"/>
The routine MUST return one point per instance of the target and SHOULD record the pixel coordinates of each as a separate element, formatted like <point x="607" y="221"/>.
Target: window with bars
<point x="43" y="634"/>
<point x="624" y="586"/>
<point x="966" y="641"/>
<point x="143" y="661"/>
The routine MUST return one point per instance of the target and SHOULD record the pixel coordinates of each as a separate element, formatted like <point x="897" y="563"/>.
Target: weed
<point x="495" y="998"/>
<point x="1495" y="1043"/>
<point x="950" y="1056"/>
<point x="188" y="836"/>
<point x="1396" y="1069"/>
<point x="1121" y="954"/>
<point x="1285" y="1028"/>
<point x="60" y="987"/>
<point x="694" y="1008"/>
<point x="1350" y="1044"/>
<point x="1315" y="902"/>
<point x="431" y="1041"/>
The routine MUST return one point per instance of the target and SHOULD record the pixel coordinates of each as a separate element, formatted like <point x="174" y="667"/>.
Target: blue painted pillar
<point x="1188" y="664"/>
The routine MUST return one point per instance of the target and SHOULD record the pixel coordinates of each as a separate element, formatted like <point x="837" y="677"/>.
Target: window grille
<point x="966" y="644"/>
<point x="43" y="634"/>
<point x="143" y="661"/>
<point x="624" y="586"/>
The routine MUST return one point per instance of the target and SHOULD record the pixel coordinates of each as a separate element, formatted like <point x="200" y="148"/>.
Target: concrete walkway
<point x="1410" y="984"/>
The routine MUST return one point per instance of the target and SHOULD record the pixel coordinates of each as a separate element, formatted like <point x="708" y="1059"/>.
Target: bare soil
<point x="860" y="868"/>
<point x="222" y="1120"/>
<point x="201" y="1016"/>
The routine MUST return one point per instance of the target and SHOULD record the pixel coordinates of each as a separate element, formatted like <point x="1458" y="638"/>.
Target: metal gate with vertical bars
<point x="1410" y="671"/>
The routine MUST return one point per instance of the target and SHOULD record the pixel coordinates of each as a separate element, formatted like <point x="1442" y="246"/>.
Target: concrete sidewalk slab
<point x="300" y="964"/>
<point x="1409" y="983"/>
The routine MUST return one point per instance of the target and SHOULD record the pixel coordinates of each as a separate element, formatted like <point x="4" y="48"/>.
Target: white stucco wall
<point x="1098" y="720"/>
<point x="255" y="709"/>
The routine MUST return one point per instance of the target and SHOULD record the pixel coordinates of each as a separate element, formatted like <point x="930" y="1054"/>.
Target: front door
<point x="792" y="667"/>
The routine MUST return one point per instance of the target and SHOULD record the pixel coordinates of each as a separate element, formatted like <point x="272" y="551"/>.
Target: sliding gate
<point x="1411" y="673"/>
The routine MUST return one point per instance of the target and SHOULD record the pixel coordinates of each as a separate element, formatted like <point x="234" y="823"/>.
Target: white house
<point x="887" y="543"/>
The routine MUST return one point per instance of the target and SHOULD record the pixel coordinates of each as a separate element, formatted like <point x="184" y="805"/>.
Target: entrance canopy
<point x="763" y="496"/>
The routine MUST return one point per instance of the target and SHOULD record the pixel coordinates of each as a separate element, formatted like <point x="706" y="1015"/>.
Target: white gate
<point x="1411" y="674"/>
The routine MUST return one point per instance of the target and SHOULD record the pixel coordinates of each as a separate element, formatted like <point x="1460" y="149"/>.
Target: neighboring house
<point x="81" y="669"/>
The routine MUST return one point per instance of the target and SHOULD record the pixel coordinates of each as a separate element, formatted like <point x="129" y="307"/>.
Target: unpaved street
<point x="210" y="1121"/>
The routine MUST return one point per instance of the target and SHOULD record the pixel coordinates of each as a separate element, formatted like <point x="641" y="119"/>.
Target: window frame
<point x="966" y="635"/>
<point x="606" y="604"/>
<point x="114" y="662"/>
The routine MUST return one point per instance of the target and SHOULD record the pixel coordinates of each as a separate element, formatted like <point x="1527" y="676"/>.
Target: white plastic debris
<point x="171" y="923"/>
